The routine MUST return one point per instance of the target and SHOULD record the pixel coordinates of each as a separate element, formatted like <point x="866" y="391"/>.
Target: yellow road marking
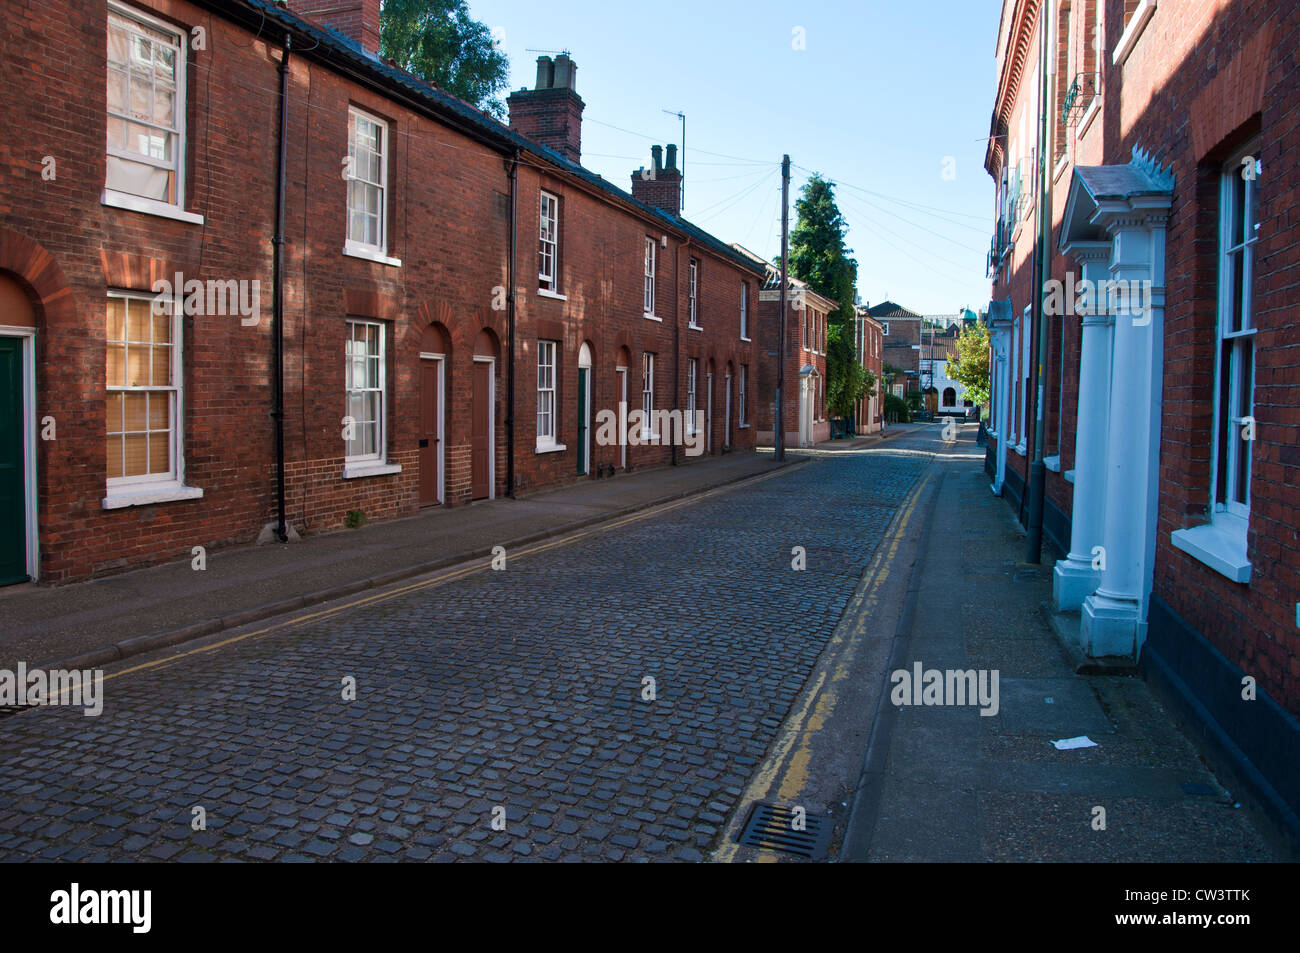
<point x="821" y="698"/>
<point x="449" y="576"/>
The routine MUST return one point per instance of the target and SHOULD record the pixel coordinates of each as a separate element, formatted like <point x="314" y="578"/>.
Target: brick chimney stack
<point x="660" y="185"/>
<point x="358" y="20"/>
<point x="551" y="114"/>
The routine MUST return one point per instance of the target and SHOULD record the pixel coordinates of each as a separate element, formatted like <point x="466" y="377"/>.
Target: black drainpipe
<point x="510" y="317"/>
<point x="277" y="280"/>
<point x="677" y="335"/>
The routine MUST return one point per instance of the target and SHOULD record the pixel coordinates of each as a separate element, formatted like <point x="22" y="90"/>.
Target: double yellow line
<point x="788" y="765"/>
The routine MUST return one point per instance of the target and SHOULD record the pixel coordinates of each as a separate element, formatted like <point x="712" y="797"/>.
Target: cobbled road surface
<point x="522" y="689"/>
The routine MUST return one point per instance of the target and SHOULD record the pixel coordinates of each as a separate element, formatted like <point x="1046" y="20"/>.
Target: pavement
<point x="115" y="617"/>
<point x="947" y="783"/>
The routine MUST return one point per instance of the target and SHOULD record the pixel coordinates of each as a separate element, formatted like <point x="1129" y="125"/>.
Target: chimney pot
<point x="658" y="153"/>
<point x="672" y="156"/>
<point x="551" y="114"/>
<point x="545" y="72"/>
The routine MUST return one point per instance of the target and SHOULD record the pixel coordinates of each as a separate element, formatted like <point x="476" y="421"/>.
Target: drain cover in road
<point x="776" y="828"/>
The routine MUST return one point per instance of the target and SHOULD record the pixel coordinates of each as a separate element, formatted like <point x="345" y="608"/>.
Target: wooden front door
<point x="13" y="494"/>
<point x="481" y="432"/>
<point x="430" y="437"/>
<point x="584" y="375"/>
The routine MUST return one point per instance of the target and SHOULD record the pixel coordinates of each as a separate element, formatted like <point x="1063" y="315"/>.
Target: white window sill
<point x="370" y="468"/>
<point x="1052" y="463"/>
<point x="137" y="203"/>
<point x="743" y="426"/>
<point x="119" y="498"/>
<point x="1069" y="476"/>
<point x="1220" y="545"/>
<point x="694" y="327"/>
<point x="746" y="340"/>
<point x="549" y="446"/>
<point x="1061" y="165"/>
<point x="554" y="295"/>
<point x="648" y="437"/>
<point x="1021" y="448"/>
<point x="650" y="317"/>
<point x="1133" y="31"/>
<point x="1089" y="114"/>
<point x="370" y="254"/>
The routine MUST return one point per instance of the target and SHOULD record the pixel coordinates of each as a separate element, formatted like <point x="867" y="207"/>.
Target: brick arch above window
<point x="368" y="303"/>
<point x="137" y="272"/>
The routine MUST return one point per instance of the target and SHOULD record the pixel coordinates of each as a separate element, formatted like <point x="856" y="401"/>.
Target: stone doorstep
<point x="1066" y="626"/>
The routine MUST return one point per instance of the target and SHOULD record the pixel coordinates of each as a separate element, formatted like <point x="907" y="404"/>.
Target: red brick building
<point x="1171" y="399"/>
<point x="805" y="419"/>
<point x="420" y="306"/>
<point x="901" y="328"/>
<point x="869" y="336"/>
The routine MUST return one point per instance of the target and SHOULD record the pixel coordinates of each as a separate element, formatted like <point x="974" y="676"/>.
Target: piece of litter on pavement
<point x="1069" y="744"/>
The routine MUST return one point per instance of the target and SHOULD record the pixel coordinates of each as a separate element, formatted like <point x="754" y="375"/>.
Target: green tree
<point x="817" y="252"/>
<point x="441" y="43"/>
<point x="971" y="366"/>
<point x="819" y="257"/>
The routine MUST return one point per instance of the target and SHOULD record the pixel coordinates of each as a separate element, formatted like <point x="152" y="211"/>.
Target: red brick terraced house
<point x="901" y="328"/>
<point x="869" y="339"/>
<point x="805" y="418"/>
<point x="254" y="279"/>
<point x="1171" y="392"/>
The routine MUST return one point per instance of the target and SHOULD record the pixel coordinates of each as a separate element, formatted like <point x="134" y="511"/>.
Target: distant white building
<point x="950" y="394"/>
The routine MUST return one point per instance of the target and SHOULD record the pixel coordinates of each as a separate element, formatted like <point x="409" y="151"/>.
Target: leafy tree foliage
<point x="441" y="43"/>
<point x="971" y="367"/>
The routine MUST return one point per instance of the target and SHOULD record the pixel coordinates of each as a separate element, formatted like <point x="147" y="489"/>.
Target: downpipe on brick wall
<point x="510" y="331"/>
<point x="1038" y="469"/>
<point x="277" y="295"/>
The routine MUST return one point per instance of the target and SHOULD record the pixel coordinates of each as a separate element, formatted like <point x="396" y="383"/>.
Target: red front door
<point x="481" y="432"/>
<point x="430" y="445"/>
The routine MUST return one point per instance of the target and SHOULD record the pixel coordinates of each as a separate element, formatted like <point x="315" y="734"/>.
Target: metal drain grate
<point x="771" y="828"/>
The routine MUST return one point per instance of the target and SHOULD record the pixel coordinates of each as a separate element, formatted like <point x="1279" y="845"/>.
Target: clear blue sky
<point x="882" y="93"/>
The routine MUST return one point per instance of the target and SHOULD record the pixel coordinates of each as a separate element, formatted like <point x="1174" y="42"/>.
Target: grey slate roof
<point x="345" y="56"/>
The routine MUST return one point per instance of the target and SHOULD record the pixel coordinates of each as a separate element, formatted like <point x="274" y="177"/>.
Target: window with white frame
<point x="695" y="293"/>
<point x="143" y="374"/>
<point x="366" y="377"/>
<point x="740" y="403"/>
<point x="744" y="310"/>
<point x="367" y="183"/>
<point x="649" y="276"/>
<point x="546" y="433"/>
<point x="1238" y="236"/>
<point x="647" y="392"/>
<point x="884" y="328"/>
<point x="692" y="372"/>
<point x="146" y="107"/>
<point x="548" y="243"/>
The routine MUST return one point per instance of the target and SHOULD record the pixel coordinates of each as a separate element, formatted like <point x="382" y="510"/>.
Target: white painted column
<point x="1114" y="617"/>
<point x="1001" y="343"/>
<point x="1074" y="579"/>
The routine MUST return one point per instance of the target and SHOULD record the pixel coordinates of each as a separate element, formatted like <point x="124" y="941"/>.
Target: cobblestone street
<point x="519" y="689"/>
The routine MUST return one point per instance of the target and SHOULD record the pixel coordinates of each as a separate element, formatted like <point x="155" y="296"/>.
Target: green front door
<point x="582" y="419"/>
<point x="13" y="495"/>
